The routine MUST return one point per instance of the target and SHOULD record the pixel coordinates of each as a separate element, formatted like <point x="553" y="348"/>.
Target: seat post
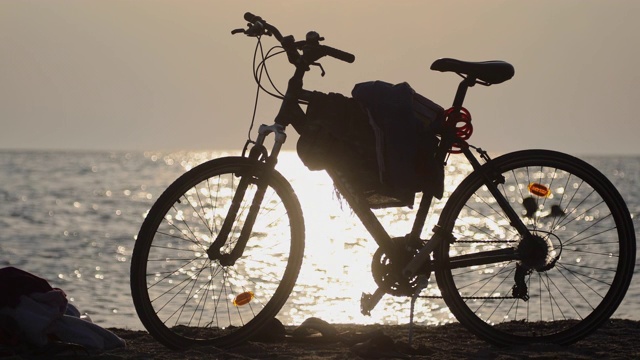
<point x="462" y="91"/>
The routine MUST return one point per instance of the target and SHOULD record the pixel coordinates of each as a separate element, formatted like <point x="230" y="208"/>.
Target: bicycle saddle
<point x="491" y="72"/>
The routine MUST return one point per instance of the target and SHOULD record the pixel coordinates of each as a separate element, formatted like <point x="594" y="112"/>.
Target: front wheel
<point x="183" y="296"/>
<point x="571" y="272"/>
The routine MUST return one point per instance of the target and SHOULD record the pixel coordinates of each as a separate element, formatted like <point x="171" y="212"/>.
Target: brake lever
<point x="252" y="31"/>
<point x="322" y="72"/>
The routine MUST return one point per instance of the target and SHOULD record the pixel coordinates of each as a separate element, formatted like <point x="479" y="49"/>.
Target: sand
<point x="618" y="339"/>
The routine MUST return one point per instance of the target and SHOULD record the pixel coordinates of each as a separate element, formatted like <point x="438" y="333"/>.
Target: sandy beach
<point x="618" y="339"/>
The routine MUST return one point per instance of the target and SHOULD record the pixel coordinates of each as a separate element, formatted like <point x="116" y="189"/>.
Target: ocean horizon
<point x="72" y="217"/>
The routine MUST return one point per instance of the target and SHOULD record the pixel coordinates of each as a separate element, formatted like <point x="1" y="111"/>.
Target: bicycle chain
<point x="487" y="242"/>
<point x="472" y="297"/>
<point x="478" y="297"/>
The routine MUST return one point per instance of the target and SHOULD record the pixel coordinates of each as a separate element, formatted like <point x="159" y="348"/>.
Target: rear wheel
<point x="182" y="296"/>
<point x="574" y="269"/>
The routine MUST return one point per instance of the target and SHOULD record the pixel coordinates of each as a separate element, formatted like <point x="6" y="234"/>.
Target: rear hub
<point x="537" y="253"/>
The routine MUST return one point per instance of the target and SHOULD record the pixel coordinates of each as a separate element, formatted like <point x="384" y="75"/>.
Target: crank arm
<point x="369" y="301"/>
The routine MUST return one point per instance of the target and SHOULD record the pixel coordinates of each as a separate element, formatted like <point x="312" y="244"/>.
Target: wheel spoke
<point x="579" y="239"/>
<point x="183" y="297"/>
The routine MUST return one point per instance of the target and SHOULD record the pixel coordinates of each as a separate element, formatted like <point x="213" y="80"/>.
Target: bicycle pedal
<point x="369" y="301"/>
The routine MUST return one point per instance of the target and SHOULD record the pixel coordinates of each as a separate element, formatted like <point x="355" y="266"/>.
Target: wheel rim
<point x="580" y="270"/>
<point x="189" y="298"/>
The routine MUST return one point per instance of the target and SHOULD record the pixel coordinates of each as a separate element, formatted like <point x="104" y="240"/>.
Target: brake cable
<point x="262" y="66"/>
<point x="257" y="76"/>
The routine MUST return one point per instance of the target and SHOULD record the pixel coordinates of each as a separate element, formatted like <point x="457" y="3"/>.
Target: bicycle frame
<point x="528" y="238"/>
<point x="292" y="114"/>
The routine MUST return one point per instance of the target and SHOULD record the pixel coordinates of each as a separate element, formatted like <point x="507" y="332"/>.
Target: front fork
<point x="261" y="180"/>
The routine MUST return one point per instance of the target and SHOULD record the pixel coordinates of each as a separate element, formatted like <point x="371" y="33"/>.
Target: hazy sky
<point x="166" y="75"/>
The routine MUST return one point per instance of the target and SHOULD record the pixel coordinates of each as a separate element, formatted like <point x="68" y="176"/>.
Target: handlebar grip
<point x="251" y="18"/>
<point x="339" y="54"/>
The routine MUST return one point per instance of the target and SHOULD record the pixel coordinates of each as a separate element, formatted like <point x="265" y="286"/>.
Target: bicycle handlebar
<point x="260" y="26"/>
<point x="311" y="49"/>
<point x="339" y="54"/>
<point x="251" y="18"/>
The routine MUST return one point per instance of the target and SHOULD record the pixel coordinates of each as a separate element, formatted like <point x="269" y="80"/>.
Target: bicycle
<point x="533" y="246"/>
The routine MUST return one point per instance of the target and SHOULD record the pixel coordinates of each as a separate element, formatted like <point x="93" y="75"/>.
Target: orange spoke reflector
<point x="243" y="299"/>
<point x="539" y="190"/>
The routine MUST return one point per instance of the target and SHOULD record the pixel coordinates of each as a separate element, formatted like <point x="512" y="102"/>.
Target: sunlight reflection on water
<point x="337" y="265"/>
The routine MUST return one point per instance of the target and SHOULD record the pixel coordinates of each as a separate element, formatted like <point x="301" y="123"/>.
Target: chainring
<point x="388" y="275"/>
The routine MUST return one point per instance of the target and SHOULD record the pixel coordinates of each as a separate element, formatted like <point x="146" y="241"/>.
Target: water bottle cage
<point x="458" y="123"/>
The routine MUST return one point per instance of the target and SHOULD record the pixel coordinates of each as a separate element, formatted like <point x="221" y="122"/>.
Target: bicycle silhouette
<point x="532" y="246"/>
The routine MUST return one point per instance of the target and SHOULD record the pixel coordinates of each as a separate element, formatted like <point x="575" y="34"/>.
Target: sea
<point x="72" y="218"/>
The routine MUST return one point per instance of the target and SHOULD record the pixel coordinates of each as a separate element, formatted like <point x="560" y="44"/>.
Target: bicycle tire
<point x="591" y="238"/>
<point x="183" y="298"/>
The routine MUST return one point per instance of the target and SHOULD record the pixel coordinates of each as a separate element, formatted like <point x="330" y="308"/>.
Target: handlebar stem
<point x="290" y="112"/>
<point x="289" y="46"/>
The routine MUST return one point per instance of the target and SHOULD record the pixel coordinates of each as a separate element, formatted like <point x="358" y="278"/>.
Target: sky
<point x="168" y="75"/>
